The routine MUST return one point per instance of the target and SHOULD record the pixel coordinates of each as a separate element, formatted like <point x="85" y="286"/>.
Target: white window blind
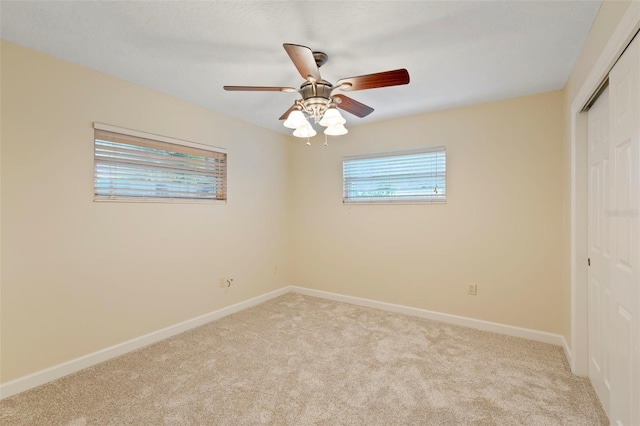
<point x="401" y="176"/>
<point x="131" y="167"/>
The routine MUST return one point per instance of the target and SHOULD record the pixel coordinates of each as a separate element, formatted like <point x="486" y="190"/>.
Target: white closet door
<point x="599" y="243"/>
<point x="624" y="160"/>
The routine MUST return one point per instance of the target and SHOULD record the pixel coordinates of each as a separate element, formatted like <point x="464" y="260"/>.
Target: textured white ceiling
<point x="457" y="53"/>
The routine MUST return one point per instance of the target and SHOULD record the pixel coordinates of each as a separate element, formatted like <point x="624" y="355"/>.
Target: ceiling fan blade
<point x="286" y="114"/>
<point x="304" y="61"/>
<point x="351" y="105"/>
<point x="372" y="81"/>
<point x="259" y="89"/>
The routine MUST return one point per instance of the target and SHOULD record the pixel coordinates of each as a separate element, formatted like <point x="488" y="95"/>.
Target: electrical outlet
<point x="473" y="289"/>
<point x="225" y="282"/>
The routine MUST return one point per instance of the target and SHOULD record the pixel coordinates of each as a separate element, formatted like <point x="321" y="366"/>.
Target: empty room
<point x="320" y="213"/>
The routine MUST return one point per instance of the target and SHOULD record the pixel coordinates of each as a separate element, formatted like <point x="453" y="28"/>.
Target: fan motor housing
<point x="316" y="97"/>
<point x="320" y="89"/>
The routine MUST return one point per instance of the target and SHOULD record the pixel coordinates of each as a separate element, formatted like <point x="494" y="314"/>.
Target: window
<point x="131" y="165"/>
<point x="401" y="176"/>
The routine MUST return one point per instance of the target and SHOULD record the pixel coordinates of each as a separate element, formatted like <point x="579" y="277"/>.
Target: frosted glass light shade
<point x="332" y="117"/>
<point x="336" y="130"/>
<point x="295" y="119"/>
<point x="305" y="131"/>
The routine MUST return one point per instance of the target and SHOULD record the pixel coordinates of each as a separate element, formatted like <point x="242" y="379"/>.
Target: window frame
<point x="161" y="139"/>
<point x="399" y="153"/>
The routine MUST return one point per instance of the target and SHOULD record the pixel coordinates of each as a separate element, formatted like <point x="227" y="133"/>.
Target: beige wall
<point x="500" y="227"/>
<point x="79" y="276"/>
<point x="605" y="23"/>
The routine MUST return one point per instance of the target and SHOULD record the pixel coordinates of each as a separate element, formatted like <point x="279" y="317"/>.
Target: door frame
<point x="578" y="353"/>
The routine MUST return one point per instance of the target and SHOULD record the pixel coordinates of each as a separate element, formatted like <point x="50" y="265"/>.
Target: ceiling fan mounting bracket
<point x="321" y="58"/>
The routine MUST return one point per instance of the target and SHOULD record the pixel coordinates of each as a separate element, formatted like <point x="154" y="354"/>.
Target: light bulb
<point x="336" y="130"/>
<point x="332" y="117"/>
<point x="295" y="119"/>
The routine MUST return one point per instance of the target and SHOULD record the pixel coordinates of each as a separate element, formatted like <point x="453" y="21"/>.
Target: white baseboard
<point x="57" y="371"/>
<point x="539" y="336"/>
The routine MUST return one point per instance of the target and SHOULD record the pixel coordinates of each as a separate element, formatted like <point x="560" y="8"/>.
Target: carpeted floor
<point x="300" y="360"/>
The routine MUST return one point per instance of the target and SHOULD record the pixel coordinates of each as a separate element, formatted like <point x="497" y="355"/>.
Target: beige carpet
<point x="299" y="360"/>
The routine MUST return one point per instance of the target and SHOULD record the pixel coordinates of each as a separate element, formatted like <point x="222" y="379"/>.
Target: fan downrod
<point x="321" y="58"/>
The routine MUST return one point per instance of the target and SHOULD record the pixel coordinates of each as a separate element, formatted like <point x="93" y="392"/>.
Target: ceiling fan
<point x="318" y="101"/>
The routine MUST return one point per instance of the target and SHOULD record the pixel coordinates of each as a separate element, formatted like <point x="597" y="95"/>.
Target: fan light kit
<point x="318" y="102"/>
